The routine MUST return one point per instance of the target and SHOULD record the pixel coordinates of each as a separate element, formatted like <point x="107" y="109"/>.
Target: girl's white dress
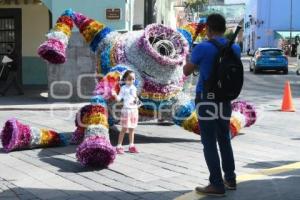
<point x="129" y="113"/>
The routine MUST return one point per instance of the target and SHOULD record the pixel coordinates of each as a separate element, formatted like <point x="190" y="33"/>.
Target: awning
<point x="286" y="34"/>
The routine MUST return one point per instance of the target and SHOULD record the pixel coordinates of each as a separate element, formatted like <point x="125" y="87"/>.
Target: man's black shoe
<point x="230" y="185"/>
<point x="211" y="191"/>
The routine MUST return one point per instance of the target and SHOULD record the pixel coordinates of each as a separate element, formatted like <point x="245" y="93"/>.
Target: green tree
<point x="196" y="5"/>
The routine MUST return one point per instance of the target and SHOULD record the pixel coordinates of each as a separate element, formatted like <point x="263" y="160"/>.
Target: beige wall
<point x="138" y="17"/>
<point x="35" y="24"/>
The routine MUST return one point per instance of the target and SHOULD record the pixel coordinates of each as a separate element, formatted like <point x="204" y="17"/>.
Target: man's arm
<point x="189" y="68"/>
<point x="193" y="63"/>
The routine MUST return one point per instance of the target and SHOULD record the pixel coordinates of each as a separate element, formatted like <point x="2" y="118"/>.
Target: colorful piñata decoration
<point x="92" y="135"/>
<point x="157" y="55"/>
<point x="18" y="136"/>
<point x="92" y="31"/>
<point x="54" y="49"/>
<point x="190" y="31"/>
<point x="247" y="109"/>
<point x="109" y="83"/>
<point x="243" y="115"/>
<point x="165" y="45"/>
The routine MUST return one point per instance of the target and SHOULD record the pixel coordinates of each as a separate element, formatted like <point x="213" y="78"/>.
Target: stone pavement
<point x="277" y="183"/>
<point x="171" y="161"/>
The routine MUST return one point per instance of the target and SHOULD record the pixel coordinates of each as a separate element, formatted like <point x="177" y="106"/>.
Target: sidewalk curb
<point x="38" y="109"/>
<point x="47" y="107"/>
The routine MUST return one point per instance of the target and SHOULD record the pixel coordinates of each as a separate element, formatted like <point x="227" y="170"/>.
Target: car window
<point x="272" y="53"/>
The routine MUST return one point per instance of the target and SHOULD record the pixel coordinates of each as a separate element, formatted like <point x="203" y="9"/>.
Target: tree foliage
<point x="229" y="34"/>
<point x="196" y="5"/>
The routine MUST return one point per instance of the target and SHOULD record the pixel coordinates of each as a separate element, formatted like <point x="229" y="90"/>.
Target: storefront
<point x="271" y="23"/>
<point x="24" y="23"/>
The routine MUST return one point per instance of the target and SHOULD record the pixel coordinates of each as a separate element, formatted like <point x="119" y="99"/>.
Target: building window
<point x="7" y="35"/>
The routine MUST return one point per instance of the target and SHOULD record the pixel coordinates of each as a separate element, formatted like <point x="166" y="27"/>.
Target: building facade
<point x="234" y="15"/>
<point x="24" y="23"/>
<point x="23" y="28"/>
<point x="270" y="23"/>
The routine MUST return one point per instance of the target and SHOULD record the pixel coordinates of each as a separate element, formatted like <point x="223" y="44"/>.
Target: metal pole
<point x="269" y="22"/>
<point x="291" y="27"/>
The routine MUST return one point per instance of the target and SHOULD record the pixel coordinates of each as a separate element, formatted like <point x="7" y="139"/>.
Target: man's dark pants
<point x="215" y="130"/>
<point x="12" y="80"/>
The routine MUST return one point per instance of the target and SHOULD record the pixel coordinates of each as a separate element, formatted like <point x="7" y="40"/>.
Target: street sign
<point x="113" y="14"/>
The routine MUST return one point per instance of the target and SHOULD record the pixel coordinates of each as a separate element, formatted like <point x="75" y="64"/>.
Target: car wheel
<point x="285" y="71"/>
<point x="298" y="72"/>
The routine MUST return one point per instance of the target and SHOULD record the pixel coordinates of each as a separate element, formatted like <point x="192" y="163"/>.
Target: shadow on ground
<point x="156" y="123"/>
<point x="31" y="96"/>
<point x="295" y="138"/>
<point x="114" y="194"/>
<point x="270" y="72"/>
<point x="68" y="165"/>
<point x="143" y="139"/>
<point x="283" y="187"/>
<point x="269" y="164"/>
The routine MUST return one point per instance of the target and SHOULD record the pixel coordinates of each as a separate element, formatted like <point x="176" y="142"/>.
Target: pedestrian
<point x="213" y="128"/>
<point x="129" y="112"/>
<point x="12" y="77"/>
<point x="248" y="52"/>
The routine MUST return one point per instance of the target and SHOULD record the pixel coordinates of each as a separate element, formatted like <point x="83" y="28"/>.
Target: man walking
<point x="12" y="79"/>
<point x="214" y="115"/>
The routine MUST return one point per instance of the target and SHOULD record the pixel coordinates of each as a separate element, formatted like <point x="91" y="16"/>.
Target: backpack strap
<point x="217" y="44"/>
<point x="212" y="77"/>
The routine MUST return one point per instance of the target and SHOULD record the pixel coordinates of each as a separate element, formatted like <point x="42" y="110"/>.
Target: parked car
<point x="269" y="59"/>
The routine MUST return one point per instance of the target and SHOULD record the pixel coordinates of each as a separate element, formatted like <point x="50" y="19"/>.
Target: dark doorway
<point x="11" y="40"/>
<point x="150" y="13"/>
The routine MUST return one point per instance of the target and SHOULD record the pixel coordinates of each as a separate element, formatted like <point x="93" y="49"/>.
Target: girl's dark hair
<point x="127" y="73"/>
<point x="216" y="23"/>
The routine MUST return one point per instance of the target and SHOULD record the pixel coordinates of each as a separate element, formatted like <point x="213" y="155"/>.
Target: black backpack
<point x="227" y="77"/>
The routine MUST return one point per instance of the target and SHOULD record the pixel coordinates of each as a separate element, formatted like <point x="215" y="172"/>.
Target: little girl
<point x="129" y="112"/>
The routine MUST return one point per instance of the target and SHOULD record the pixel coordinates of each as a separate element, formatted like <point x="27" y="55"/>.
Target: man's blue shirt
<point x="203" y="56"/>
